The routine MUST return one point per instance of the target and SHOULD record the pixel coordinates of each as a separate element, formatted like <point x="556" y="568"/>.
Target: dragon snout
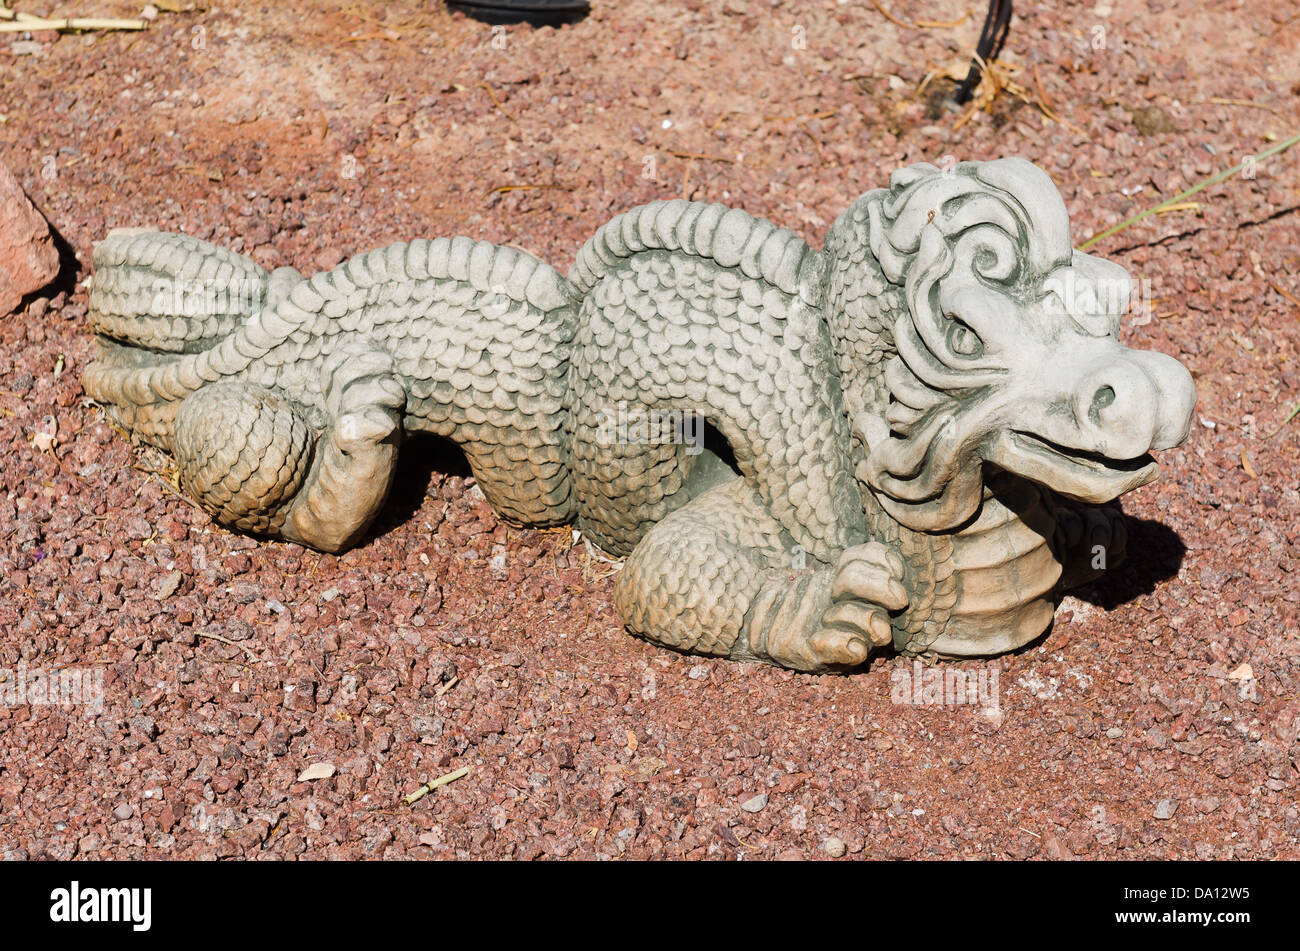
<point x="1130" y="404"/>
<point x="1091" y="441"/>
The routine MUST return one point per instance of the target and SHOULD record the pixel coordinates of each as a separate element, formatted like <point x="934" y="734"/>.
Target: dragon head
<point x="1007" y="352"/>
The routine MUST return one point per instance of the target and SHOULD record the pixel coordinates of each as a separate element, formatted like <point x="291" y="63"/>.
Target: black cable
<point x="992" y="35"/>
<point x="536" y="12"/>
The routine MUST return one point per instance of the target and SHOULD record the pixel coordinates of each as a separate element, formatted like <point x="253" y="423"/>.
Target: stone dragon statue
<point x="912" y="430"/>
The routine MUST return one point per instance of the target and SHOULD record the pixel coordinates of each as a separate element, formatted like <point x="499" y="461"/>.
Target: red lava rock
<point x="28" y="258"/>
<point x="405" y="660"/>
<point x="329" y="258"/>
<point x="1055" y="849"/>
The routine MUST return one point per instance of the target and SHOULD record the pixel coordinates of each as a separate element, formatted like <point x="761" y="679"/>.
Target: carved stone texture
<point x="904" y="439"/>
<point x="28" y="258"/>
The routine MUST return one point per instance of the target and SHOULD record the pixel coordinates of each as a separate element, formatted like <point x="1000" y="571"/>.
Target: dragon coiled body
<point x="284" y="401"/>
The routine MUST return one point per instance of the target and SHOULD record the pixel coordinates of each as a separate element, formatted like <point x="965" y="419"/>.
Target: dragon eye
<point x="963" y="341"/>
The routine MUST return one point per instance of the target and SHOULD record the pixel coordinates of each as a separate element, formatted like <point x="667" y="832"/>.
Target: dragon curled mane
<point x="976" y="257"/>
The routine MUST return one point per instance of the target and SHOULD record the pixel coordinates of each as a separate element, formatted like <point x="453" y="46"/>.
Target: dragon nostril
<point x="1104" y="396"/>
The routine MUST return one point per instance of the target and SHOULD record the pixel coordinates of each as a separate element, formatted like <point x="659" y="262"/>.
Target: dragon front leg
<point x="720" y="576"/>
<point x="248" y="457"/>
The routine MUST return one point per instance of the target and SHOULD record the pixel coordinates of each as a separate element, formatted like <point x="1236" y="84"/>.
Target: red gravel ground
<point x="451" y="641"/>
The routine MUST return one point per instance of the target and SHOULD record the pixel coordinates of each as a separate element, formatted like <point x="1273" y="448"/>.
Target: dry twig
<point x="703" y="158"/>
<point x="433" y="784"/>
<point x="16" y="22"/>
<point x="501" y="189"/>
<point x="1285" y="293"/>
<point x="1195" y="189"/>
<point x="243" y="647"/>
<point x="921" y="24"/>
<point x="497" y="102"/>
<point x="1221" y="101"/>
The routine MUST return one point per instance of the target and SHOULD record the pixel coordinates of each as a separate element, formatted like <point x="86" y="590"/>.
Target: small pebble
<point x="329" y="258"/>
<point x="834" y="847"/>
<point x="756" y="804"/>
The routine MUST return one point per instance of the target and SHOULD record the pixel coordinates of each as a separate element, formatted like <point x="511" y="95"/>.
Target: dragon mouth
<point x="1074" y="473"/>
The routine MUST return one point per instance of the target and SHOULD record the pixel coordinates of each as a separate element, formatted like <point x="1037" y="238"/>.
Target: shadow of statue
<point x="426" y="462"/>
<point x="1154" y="554"/>
<point x="65" y="279"/>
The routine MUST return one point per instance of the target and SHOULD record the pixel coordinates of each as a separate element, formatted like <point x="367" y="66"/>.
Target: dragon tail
<point x="172" y="293"/>
<point x="159" y="301"/>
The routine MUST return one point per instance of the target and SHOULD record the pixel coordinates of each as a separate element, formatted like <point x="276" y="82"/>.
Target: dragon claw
<point x="368" y="426"/>
<point x="837" y="646"/>
<point x="837" y="619"/>
<point x="871" y="573"/>
<point x="867" y="586"/>
<point x="867" y="619"/>
<point x="361" y="377"/>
